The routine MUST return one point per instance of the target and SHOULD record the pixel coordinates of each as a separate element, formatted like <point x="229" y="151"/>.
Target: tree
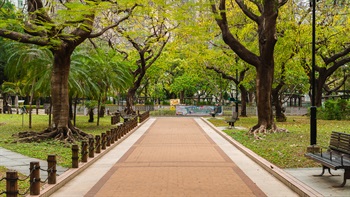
<point x="242" y="88"/>
<point x="61" y="32"/>
<point x="264" y="62"/>
<point x="332" y="46"/>
<point x="108" y="73"/>
<point x="147" y="33"/>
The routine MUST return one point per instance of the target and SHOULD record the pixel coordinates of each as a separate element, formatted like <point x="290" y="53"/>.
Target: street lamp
<point x="237" y="91"/>
<point x="313" y="110"/>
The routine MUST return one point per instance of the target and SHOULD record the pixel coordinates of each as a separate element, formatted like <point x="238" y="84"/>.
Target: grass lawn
<point x="286" y="150"/>
<point x="12" y="123"/>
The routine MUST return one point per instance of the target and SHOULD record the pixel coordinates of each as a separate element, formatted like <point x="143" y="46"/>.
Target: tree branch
<point x="129" y="11"/>
<point x="282" y="2"/>
<point x="223" y="74"/>
<point x="158" y="54"/>
<point x="334" y="58"/>
<point x="246" y="10"/>
<point x="229" y="39"/>
<point x="24" y="38"/>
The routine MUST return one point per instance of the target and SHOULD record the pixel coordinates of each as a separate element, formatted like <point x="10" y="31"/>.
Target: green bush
<point x="334" y="110"/>
<point x="166" y="102"/>
<point x="163" y="112"/>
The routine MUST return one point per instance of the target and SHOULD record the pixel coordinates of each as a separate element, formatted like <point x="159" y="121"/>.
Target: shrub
<point x="335" y="110"/>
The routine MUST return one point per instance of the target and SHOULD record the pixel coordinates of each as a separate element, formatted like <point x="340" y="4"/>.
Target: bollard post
<point x="75" y="156"/>
<point x="11" y="184"/>
<point x="103" y="142"/>
<point x="34" y="178"/>
<point x="112" y="136"/>
<point x="98" y="144"/>
<point x="91" y="147"/>
<point x="119" y="132"/>
<point x="51" y="169"/>
<point x="108" y="136"/>
<point x="84" y="151"/>
<point x="124" y="129"/>
<point x="115" y="134"/>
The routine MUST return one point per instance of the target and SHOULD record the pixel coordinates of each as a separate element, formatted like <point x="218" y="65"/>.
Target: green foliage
<point x="91" y="104"/>
<point x="338" y="109"/>
<point x="166" y="102"/>
<point x="163" y="112"/>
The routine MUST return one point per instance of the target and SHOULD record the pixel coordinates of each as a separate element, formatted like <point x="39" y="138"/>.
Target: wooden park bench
<point x="234" y="118"/>
<point x="336" y="157"/>
<point x="127" y="117"/>
<point x="115" y="118"/>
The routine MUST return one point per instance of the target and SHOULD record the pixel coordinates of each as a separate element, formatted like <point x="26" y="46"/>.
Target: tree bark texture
<point x="59" y="89"/>
<point x="244" y="97"/>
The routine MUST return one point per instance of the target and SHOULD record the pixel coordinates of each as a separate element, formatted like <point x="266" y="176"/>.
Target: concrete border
<point x="73" y="172"/>
<point x="290" y="181"/>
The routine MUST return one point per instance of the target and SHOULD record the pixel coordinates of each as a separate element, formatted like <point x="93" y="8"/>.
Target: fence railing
<point x="143" y="116"/>
<point x="88" y="149"/>
<point x="252" y="111"/>
<point x="12" y="178"/>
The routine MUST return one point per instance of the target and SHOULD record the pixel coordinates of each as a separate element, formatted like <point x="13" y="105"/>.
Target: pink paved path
<point x="175" y="157"/>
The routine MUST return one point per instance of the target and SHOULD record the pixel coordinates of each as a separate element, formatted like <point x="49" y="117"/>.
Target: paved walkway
<point x="21" y="163"/>
<point x="174" y="157"/>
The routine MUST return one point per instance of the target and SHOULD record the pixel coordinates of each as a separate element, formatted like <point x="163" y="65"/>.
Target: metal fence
<point x="227" y="110"/>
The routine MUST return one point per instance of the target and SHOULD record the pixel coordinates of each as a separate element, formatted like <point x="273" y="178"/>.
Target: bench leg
<point x="231" y="125"/>
<point x="346" y="176"/>
<point x="329" y="171"/>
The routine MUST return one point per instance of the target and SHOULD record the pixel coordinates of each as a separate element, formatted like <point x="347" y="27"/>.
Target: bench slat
<point x="340" y="142"/>
<point x="334" y="164"/>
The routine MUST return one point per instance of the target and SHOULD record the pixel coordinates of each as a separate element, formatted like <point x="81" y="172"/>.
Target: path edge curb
<point x="294" y="184"/>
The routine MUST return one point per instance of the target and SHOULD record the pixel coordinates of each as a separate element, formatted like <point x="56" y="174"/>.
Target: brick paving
<point x="175" y="157"/>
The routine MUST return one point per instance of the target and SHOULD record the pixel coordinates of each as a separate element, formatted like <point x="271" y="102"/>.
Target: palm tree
<point x="108" y="71"/>
<point x="31" y="67"/>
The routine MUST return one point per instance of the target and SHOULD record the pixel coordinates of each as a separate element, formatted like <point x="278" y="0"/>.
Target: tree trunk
<point x="182" y="97"/>
<point x="280" y="117"/>
<point x="75" y="110"/>
<point x="30" y="113"/>
<point x="243" y="101"/>
<point x="264" y="81"/>
<point x="130" y="101"/>
<point x="320" y="81"/>
<point x="16" y="104"/>
<point x="71" y="116"/>
<point x="50" y="114"/>
<point x="91" y="115"/>
<point x="98" y="110"/>
<point x="59" y="90"/>
<point x="37" y="103"/>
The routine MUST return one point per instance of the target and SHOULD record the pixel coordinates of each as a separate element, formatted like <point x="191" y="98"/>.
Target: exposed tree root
<point x="260" y="130"/>
<point x="66" y="135"/>
<point x="281" y="118"/>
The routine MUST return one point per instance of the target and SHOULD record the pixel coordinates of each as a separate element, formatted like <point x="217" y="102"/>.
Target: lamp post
<point x="237" y="91"/>
<point x="313" y="110"/>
